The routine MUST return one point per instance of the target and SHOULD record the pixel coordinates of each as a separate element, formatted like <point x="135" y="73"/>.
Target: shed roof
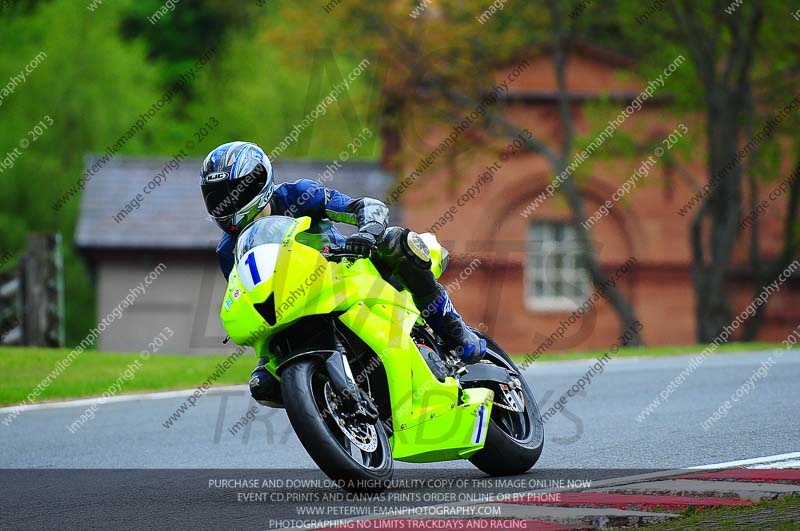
<point x="173" y="217"/>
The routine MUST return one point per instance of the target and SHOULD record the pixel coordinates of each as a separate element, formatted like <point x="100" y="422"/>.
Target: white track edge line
<point x="753" y="461"/>
<point x="162" y="395"/>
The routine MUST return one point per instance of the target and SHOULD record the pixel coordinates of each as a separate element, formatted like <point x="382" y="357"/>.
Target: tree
<point x="177" y="37"/>
<point x="437" y="64"/>
<point x="765" y="169"/>
<point x="744" y="71"/>
<point x="724" y="69"/>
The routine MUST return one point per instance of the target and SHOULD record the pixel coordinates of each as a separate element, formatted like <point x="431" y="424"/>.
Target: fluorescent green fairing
<point x="432" y="420"/>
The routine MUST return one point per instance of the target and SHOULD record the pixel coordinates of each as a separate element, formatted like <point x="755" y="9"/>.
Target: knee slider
<point x="417" y="247"/>
<point x="399" y="244"/>
<point x="407" y="256"/>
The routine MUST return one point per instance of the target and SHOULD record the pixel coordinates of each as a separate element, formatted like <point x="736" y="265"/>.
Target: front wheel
<point x="350" y="451"/>
<point x="515" y="440"/>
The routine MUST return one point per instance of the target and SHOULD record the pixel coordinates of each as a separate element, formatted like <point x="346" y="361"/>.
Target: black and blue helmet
<point x="236" y="182"/>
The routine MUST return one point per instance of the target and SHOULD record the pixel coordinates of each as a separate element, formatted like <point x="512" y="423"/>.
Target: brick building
<point x="529" y="282"/>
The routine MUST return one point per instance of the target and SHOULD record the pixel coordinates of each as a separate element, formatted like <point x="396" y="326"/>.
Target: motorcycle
<point x="363" y="379"/>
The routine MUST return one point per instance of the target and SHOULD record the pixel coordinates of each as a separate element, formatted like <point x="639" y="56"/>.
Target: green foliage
<point x="176" y="38"/>
<point x="257" y="98"/>
<point x="105" y="67"/>
<point x="92" y="86"/>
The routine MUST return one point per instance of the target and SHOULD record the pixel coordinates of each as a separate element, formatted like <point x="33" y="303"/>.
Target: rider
<point x="236" y="180"/>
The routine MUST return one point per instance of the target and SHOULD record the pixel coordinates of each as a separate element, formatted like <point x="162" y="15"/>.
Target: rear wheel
<point x="347" y="449"/>
<point x="515" y="438"/>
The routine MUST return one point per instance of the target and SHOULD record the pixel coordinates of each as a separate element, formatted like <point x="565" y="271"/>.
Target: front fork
<point x="343" y="383"/>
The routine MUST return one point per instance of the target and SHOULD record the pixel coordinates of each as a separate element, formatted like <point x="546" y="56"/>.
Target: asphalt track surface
<point x="596" y="435"/>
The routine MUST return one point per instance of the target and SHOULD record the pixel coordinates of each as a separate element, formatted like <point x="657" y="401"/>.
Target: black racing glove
<point x="361" y="243"/>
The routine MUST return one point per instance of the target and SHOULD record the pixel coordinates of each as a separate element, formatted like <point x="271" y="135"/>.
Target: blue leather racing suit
<point x="305" y="197"/>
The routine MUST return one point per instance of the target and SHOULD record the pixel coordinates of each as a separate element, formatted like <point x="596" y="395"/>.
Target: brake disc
<point x="366" y="441"/>
<point x="514" y="397"/>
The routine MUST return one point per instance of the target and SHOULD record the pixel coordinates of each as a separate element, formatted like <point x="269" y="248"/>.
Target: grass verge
<point x="774" y="515"/>
<point x="91" y="374"/>
<point x="652" y="352"/>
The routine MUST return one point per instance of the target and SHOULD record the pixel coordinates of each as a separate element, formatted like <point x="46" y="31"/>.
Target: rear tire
<point x="504" y="454"/>
<point x="303" y="387"/>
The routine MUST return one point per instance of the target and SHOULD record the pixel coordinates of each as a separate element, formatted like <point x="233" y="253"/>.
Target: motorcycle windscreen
<point x="258" y="247"/>
<point x="258" y="264"/>
<point x="271" y="229"/>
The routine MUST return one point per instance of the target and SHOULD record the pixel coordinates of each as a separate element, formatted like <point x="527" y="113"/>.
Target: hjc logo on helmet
<point x="218" y="176"/>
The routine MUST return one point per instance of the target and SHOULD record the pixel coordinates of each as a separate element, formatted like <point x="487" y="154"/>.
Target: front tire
<point x="514" y="441"/>
<point x="306" y="392"/>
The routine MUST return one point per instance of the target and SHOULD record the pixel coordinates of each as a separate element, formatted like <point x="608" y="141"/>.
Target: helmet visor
<point x="224" y="197"/>
<point x="248" y="187"/>
<point x="219" y="202"/>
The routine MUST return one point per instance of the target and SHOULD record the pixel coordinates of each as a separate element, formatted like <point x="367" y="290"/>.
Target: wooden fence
<point x="32" y="295"/>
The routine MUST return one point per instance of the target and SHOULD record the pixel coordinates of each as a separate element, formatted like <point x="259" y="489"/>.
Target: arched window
<point x="555" y="274"/>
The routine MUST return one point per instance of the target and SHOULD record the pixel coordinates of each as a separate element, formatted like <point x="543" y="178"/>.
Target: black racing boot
<point x="264" y="387"/>
<point x="442" y="316"/>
